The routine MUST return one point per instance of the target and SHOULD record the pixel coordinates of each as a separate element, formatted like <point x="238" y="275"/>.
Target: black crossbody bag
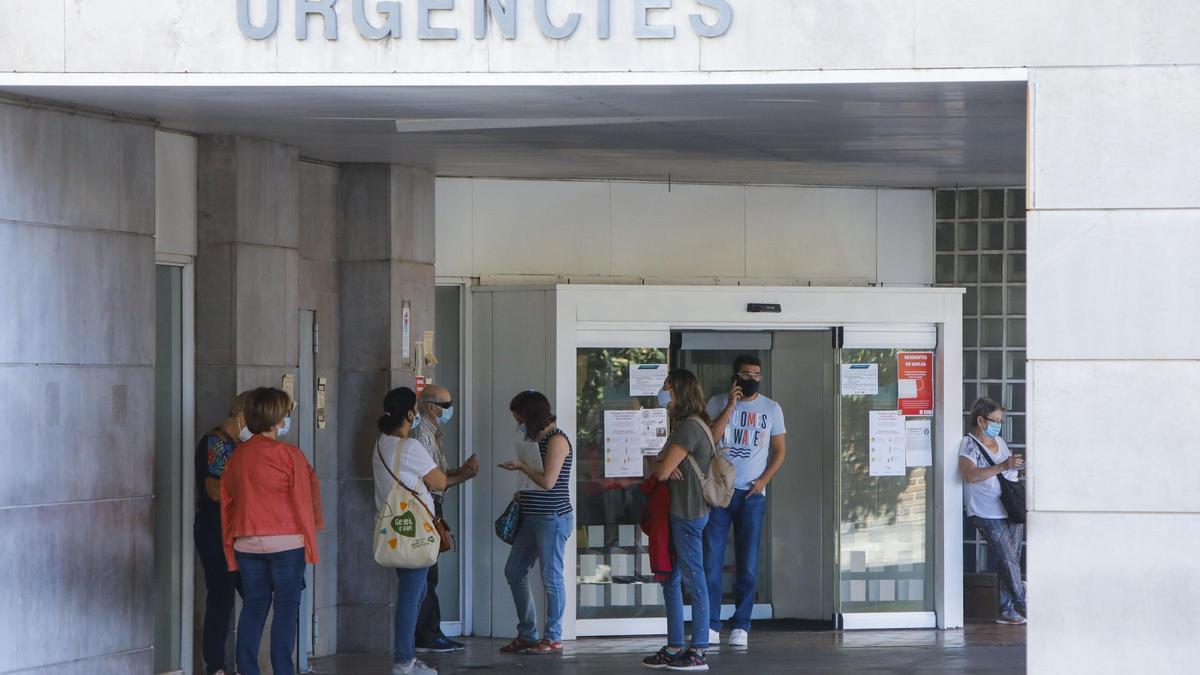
<point x="1012" y="493"/>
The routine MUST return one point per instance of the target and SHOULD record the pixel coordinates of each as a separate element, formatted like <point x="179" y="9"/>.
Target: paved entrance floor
<point x="774" y="648"/>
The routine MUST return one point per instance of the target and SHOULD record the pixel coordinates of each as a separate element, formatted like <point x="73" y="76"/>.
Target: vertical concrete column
<point x="76" y="393"/>
<point x="386" y="259"/>
<point x="1114" y="362"/>
<point x="247" y="304"/>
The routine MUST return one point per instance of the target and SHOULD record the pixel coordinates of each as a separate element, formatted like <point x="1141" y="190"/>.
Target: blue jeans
<point x="688" y="567"/>
<point x="1004" y="541"/>
<point x="269" y="578"/>
<point x="219" y="584"/>
<point x="541" y="538"/>
<point x="745" y="514"/>
<point x="410" y="592"/>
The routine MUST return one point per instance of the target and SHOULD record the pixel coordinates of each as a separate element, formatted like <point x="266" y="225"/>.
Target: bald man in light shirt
<point x="436" y="408"/>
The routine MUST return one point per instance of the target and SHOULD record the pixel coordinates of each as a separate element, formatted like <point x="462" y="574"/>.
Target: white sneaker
<point x="739" y="638"/>
<point x="414" y="667"/>
<point x="714" y="638"/>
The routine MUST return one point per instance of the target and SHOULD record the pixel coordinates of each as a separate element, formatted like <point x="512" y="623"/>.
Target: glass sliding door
<point x="448" y="347"/>
<point x="613" y="577"/>
<point x="885" y="522"/>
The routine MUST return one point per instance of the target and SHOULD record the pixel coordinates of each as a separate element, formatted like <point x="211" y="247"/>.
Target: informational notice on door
<point x="918" y="442"/>
<point x="646" y="379"/>
<point x="887" y="443"/>
<point x="915" y="378"/>
<point x="630" y="435"/>
<point x="405" y="330"/>
<point x="860" y="379"/>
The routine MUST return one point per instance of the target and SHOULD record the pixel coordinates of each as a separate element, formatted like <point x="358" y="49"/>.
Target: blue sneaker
<point x="439" y="646"/>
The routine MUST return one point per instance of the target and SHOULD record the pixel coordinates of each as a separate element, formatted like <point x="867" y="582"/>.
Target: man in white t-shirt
<point x="751" y="429"/>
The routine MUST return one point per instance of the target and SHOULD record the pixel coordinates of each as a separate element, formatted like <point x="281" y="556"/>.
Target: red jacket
<point x="656" y="523"/>
<point x="269" y="488"/>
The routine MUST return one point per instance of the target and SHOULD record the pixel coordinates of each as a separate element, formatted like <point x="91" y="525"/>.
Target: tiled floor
<point x="779" y="648"/>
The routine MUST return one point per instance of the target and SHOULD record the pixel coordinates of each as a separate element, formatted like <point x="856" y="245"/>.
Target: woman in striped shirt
<point x="543" y="528"/>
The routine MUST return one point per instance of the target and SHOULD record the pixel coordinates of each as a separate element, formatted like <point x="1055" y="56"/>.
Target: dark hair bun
<point x="396" y="406"/>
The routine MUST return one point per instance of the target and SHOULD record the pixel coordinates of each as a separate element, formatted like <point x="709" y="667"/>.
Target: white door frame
<point x="465" y="404"/>
<point x="586" y="314"/>
<point x="188" y="414"/>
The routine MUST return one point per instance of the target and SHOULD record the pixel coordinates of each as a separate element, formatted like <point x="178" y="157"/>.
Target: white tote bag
<point x="405" y="536"/>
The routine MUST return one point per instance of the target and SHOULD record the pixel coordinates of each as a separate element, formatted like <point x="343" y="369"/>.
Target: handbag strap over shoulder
<point x="711" y="443"/>
<point x="399" y="482"/>
<point x="986" y="457"/>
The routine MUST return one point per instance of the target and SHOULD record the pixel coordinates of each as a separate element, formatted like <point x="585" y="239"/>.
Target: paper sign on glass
<point x="860" y="379"/>
<point x="915" y="373"/>
<point x="646" y="379"/>
<point x="622" y="443"/>
<point x="887" y="443"/>
<point x="918" y="442"/>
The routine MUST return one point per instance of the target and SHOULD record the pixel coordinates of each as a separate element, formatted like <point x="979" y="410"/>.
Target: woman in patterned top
<point x="212" y="452"/>
<point x="544" y="526"/>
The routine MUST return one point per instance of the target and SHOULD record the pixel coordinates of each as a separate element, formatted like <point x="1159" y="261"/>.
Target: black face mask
<point x="749" y="387"/>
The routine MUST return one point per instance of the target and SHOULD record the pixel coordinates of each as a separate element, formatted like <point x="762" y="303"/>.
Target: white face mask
<point x="244" y="435"/>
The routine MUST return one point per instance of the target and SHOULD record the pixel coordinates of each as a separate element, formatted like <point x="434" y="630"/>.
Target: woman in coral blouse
<point x="270" y="514"/>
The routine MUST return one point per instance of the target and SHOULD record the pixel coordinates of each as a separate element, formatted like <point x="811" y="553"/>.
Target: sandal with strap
<point x="517" y="646"/>
<point x="545" y="646"/>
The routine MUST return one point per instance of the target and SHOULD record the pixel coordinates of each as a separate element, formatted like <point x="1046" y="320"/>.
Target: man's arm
<point x="719" y="424"/>
<point x="775" y="461"/>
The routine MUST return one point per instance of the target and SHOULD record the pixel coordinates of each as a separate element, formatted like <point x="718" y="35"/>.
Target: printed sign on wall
<point x="915" y="376"/>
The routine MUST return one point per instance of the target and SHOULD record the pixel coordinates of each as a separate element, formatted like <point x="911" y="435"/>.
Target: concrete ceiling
<point x="882" y="135"/>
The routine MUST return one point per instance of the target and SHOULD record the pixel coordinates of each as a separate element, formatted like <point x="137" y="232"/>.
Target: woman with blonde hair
<point x="270" y="514"/>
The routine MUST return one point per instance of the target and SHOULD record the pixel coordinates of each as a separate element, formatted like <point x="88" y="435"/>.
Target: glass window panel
<point x="1016" y="429"/>
<point x="968" y="236"/>
<point x="968" y="203"/>
<point x="968" y="557"/>
<point x="884" y="523"/>
<point x="945" y="203"/>
<point x="970" y="332"/>
<point x="971" y="301"/>
<point x="991" y="365"/>
<point x="1016" y="365"/>
<point x="1016" y="300"/>
<point x="991" y="300"/>
<point x="944" y="270"/>
<point x="991" y="235"/>
<point x="991" y="269"/>
<point x="970" y="368"/>
<point x="607" y="509"/>
<point x="992" y="390"/>
<point x="1016" y="397"/>
<point x="1016" y="332"/>
<point x="1016" y="235"/>
<point x="1016" y="268"/>
<point x="991" y="204"/>
<point x="968" y="269"/>
<point x="1016" y="204"/>
<point x="945" y="236"/>
<point x="991" y="332"/>
<point x="970" y="393"/>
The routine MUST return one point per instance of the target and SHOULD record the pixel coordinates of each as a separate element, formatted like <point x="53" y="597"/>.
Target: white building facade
<point x="353" y="157"/>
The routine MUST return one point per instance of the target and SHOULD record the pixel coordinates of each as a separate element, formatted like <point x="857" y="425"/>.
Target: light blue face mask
<point x="447" y="413"/>
<point x="287" y="426"/>
<point x="521" y="428"/>
<point x="416" y="421"/>
<point x="664" y="398"/>
<point x="244" y="435"/>
<point x="993" y="429"/>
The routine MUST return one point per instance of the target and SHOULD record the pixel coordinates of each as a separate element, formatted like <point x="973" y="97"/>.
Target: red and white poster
<point x="915" y="375"/>
<point x="420" y="384"/>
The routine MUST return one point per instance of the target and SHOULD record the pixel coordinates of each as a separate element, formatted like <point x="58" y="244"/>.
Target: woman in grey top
<point x="690" y="439"/>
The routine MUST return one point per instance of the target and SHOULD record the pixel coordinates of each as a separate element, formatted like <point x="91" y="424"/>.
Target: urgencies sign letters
<point x="384" y="19"/>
